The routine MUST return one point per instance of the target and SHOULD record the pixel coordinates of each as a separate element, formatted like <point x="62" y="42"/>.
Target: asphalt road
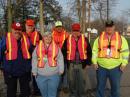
<point x="91" y="83"/>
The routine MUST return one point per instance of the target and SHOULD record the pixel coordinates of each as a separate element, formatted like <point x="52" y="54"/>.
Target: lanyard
<point x="46" y="49"/>
<point x="109" y="41"/>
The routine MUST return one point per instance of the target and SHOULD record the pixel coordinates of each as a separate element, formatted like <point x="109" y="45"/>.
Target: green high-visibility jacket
<point x="110" y="63"/>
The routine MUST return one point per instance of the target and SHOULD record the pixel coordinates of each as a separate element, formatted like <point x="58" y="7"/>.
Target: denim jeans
<point x="114" y="76"/>
<point x="48" y="85"/>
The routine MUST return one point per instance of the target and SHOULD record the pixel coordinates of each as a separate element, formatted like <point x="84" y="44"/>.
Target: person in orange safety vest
<point x="77" y="53"/>
<point x="15" y="53"/>
<point x="110" y="58"/>
<point x="33" y="34"/>
<point x="47" y="65"/>
<point x="59" y="34"/>
<point x="34" y="37"/>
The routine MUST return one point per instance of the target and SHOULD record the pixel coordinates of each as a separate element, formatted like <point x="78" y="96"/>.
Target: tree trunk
<point x="41" y="17"/>
<point x="79" y="11"/>
<point x="9" y="15"/>
<point x="89" y="17"/>
<point x="83" y="16"/>
<point x="89" y="12"/>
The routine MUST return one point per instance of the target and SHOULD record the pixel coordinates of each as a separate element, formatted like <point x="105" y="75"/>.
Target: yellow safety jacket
<point x="111" y="62"/>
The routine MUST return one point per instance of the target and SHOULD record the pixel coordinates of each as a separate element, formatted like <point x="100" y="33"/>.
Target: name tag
<point x="45" y="59"/>
<point x="108" y="52"/>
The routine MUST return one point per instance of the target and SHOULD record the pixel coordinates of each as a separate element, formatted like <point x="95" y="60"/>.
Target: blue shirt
<point x="17" y="67"/>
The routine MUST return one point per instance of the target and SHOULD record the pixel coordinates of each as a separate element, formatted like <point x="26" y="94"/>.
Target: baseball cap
<point x="58" y="24"/>
<point x="109" y="23"/>
<point x="30" y="22"/>
<point x="76" y="27"/>
<point x="16" y="26"/>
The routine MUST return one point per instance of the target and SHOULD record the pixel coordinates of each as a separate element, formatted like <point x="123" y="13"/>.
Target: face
<point x="29" y="28"/>
<point x="76" y="33"/>
<point x="59" y="29"/>
<point x="110" y="30"/>
<point x="17" y="33"/>
<point x="47" y="39"/>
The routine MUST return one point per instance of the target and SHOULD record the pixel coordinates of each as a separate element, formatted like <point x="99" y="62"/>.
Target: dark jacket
<point x="84" y="62"/>
<point x="17" y="67"/>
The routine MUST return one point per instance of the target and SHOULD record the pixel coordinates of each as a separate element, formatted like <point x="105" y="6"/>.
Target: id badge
<point x="108" y="52"/>
<point x="45" y="59"/>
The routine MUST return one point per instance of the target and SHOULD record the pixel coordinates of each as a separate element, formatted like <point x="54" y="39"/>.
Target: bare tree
<point x="100" y="7"/>
<point x="41" y="17"/>
<point x="79" y="10"/>
<point x="83" y="25"/>
<point x="9" y="5"/>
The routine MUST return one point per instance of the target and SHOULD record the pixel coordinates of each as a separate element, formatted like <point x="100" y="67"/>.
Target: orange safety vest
<point x="51" y="54"/>
<point x="59" y="38"/>
<point x="109" y="48"/>
<point x="34" y="37"/>
<point x="12" y="47"/>
<point x="71" y="47"/>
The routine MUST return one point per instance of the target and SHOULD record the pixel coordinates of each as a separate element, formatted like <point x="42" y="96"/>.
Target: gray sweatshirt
<point x="47" y="70"/>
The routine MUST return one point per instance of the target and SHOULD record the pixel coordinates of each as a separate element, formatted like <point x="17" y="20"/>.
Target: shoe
<point x="65" y="90"/>
<point x="36" y="93"/>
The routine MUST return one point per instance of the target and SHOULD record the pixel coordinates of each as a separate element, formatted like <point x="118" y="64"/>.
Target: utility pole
<point x="89" y="17"/>
<point x="107" y="9"/>
<point x="41" y="17"/>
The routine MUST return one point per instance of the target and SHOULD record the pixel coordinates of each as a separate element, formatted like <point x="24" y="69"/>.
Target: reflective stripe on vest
<point x="9" y="54"/>
<point x="34" y="37"/>
<point x="25" y="47"/>
<point x="40" y="55"/>
<point x="51" y="54"/>
<point x="83" y="47"/>
<point x="12" y="48"/>
<point x="71" y="47"/>
<point x="111" y="50"/>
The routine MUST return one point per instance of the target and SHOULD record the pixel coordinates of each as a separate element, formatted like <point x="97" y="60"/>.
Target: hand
<point x="87" y="66"/>
<point x="60" y="73"/>
<point x="96" y="66"/>
<point x="1" y="72"/>
<point x="35" y="75"/>
<point x="122" y="68"/>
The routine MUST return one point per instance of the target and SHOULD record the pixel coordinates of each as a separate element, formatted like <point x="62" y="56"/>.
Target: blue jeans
<point x="114" y="76"/>
<point x="48" y="85"/>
